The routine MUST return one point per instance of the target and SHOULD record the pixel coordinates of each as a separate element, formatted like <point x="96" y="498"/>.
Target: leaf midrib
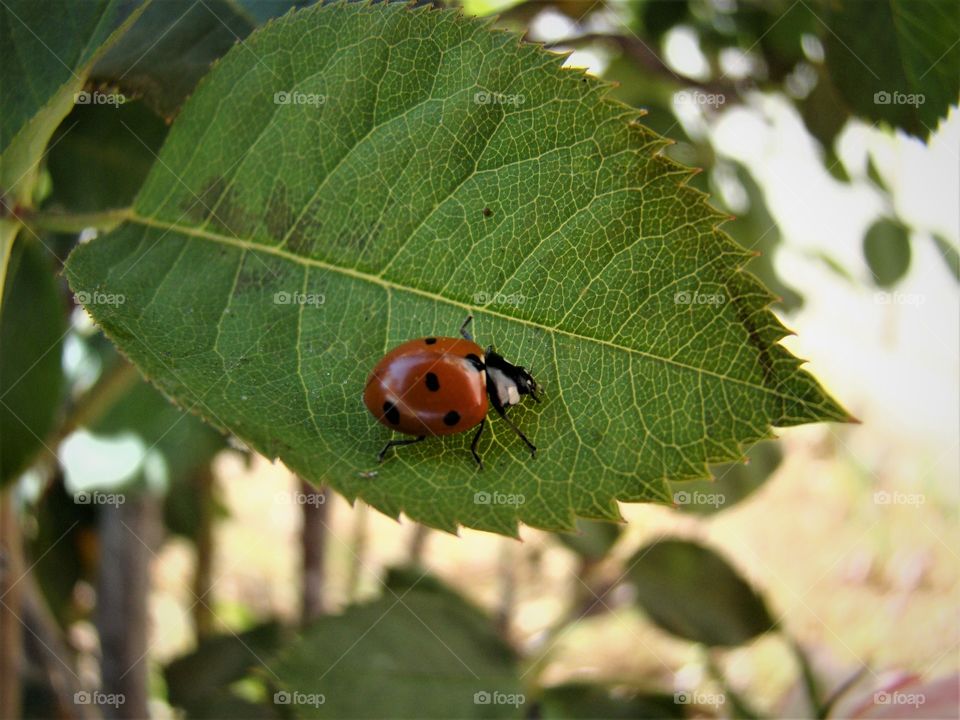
<point x="133" y="217"/>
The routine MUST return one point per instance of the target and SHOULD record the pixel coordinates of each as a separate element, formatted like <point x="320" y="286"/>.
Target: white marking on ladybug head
<point x="505" y="387"/>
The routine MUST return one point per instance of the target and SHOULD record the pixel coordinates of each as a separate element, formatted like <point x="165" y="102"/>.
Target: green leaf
<point x="44" y="63"/>
<point x="32" y="326"/>
<point x="64" y="549"/>
<point x="731" y="482"/>
<point x="950" y="255"/>
<point x="101" y="154"/>
<point x="592" y="539"/>
<point x="896" y="60"/>
<point x="198" y="682"/>
<point x="756" y="229"/>
<point x="42" y="52"/>
<point x="581" y="700"/>
<point x="692" y="592"/>
<point x="886" y="247"/>
<point x="170" y="47"/>
<point x="411" y="655"/>
<point x="183" y="441"/>
<point x="595" y="267"/>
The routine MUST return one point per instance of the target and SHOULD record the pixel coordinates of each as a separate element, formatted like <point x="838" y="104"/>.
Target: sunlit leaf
<point x="318" y="203"/>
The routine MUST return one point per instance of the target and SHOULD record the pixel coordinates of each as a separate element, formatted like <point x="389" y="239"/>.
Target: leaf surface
<point x="410" y="654"/>
<point x="424" y="167"/>
<point x="32" y="326"/>
<point x="691" y="591"/>
<point x="896" y="60"/>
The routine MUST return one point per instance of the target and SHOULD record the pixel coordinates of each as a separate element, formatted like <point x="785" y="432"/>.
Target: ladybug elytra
<point x="444" y="385"/>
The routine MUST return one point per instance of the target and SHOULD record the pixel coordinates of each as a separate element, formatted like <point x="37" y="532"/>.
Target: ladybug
<point x="441" y="386"/>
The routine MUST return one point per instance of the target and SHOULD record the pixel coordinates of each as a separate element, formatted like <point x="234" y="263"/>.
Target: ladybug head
<point x="506" y="382"/>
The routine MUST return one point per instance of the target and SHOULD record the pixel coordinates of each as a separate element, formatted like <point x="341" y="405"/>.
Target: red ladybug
<point x="440" y="386"/>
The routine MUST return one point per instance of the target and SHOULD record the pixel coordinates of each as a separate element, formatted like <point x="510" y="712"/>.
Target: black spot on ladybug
<point x="433" y="383"/>
<point x="391" y="413"/>
<point x="487" y="212"/>
<point x="451" y="418"/>
<point x="477" y="362"/>
<point x="430" y="341"/>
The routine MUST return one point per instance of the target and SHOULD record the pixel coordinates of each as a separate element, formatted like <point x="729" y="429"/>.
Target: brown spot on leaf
<point x="279" y="215"/>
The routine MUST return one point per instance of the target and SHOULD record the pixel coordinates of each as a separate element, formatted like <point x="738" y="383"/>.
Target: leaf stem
<point x="104" y="220"/>
<point x="810" y="683"/>
<point x="740" y="710"/>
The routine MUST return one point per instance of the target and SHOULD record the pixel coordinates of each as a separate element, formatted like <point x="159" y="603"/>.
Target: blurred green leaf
<point x="756" y="229"/>
<point x="690" y="591"/>
<point x="416" y="655"/>
<point x="170" y="47"/>
<point x="592" y="539"/>
<point x="896" y="60"/>
<point x="44" y="63"/>
<point x="32" y="325"/>
<point x="184" y="442"/>
<point x="824" y="113"/>
<point x="64" y="549"/>
<point x="733" y="482"/>
<point x="654" y="18"/>
<point x="198" y="682"/>
<point x="260" y="11"/>
<point x="886" y="248"/>
<point x="40" y="52"/>
<point x="576" y="701"/>
<point x="874" y="174"/>
<point x="401" y="578"/>
<point x="101" y="154"/>
<point x="949" y="254"/>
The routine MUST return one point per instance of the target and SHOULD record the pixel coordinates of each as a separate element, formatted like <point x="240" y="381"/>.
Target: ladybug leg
<point x="463" y="329"/>
<point x="397" y="443"/>
<point x="503" y="413"/>
<point x="476" y="439"/>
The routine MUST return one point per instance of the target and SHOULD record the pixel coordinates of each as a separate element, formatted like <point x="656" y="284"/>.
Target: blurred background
<point x="848" y="534"/>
